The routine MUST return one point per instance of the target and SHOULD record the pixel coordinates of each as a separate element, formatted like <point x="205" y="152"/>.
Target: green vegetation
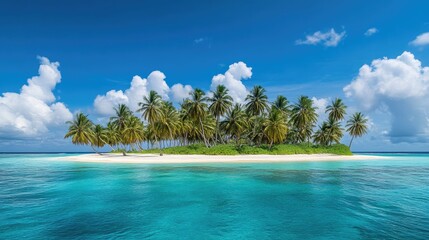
<point x="232" y="149"/>
<point x="215" y="124"/>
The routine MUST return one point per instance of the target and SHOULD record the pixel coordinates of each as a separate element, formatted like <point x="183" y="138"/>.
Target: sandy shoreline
<point x="156" y="159"/>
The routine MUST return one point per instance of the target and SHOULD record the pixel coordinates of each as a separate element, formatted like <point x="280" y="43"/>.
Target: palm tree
<point x="256" y="104"/>
<point x="235" y="122"/>
<point x="281" y="104"/>
<point x="257" y="101"/>
<point x="151" y="107"/>
<point x="100" y="137"/>
<point x="335" y="132"/>
<point x="356" y="126"/>
<point x="133" y="132"/>
<point x="330" y="132"/>
<point x="275" y="127"/>
<point x="321" y="135"/>
<point x="151" y="112"/>
<point x="337" y="110"/>
<point x="170" y="121"/>
<point x="197" y="110"/>
<point x="122" y="112"/>
<point x="81" y="130"/>
<point x="113" y="136"/>
<point x="220" y="103"/>
<point x="304" y="117"/>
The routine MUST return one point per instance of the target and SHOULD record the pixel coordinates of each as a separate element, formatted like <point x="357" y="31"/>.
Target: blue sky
<point x="102" y="45"/>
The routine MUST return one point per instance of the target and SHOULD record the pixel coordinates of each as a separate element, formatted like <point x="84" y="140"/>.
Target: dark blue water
<point x="41" y="198"/>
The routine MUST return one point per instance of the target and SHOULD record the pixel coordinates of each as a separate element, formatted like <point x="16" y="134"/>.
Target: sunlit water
<point x="42" y="198"/>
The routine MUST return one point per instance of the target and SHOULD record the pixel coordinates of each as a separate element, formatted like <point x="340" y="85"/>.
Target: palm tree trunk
<point x="108" y="145"/>
<point x="95" y="150"/>
<point x="217" y="130"/>
<point x="159" y="145"/>
<point x="204" y="135"/>
<point x="350" y="145"/>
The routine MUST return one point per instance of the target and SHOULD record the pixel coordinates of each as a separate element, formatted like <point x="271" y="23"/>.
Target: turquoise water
<point x="41" y="198"/>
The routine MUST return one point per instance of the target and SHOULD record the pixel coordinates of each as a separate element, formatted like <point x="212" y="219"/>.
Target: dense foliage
<point x="232" y="149"/>
<point x="221" y="126"/>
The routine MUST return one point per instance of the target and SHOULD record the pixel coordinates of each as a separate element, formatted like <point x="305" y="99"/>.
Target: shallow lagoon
<point x="41" y="198"/>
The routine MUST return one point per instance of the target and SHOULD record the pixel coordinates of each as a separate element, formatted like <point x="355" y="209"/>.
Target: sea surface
<point x="44" y="198"/>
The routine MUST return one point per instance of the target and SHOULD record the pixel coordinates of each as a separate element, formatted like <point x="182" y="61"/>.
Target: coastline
<point x="175" y="159"/>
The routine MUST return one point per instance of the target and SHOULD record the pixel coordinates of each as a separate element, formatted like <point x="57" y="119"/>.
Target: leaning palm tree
<point x="113" y="136"/>
<point x="275" y="127"/>
<point x="197" y="110"/>
<point x="81" y="130"/>
<point x="235" y="122"/>
<point x="220" y="102"/>
<point x="356" y="126"/>
<point x="304" y="117"/>
<point x="337" y="110"/>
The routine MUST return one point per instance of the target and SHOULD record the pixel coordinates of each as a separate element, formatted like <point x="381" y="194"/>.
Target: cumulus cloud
<point x="180" y="92"/>
<point x="329" y="38"/>
<point x="321" y="104"/>
<point x="232" y="79"/>
<point x="139" y="87"/>
<point x="371" y="32"/>
<point x="399" y="87"/>
<point x="421" y="40"/>
<point x="34" y="111"/>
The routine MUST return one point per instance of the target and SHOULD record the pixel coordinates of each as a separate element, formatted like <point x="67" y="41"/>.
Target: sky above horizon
<point x="62" y="57"/>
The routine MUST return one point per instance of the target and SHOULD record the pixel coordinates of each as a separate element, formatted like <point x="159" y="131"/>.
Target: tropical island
<point x="212" y="124"/>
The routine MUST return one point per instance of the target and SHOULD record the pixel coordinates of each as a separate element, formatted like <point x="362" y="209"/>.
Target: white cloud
<point x="104" y="104"/>
<point x="180" y="92"/>
<point x="371" y="31"/>
<point x="232" y="79"/>
<point x="421" y="40"/>
<point x="139" y="87"/>
<point x="34" y="111"/>
<point x="400" y="87"/>
<point x="199" y="40"/>
<point x="321" y="104"/>
<point x="329" y="38"/>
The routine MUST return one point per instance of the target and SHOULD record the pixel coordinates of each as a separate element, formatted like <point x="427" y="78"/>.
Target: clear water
<point x="41" y="198"/>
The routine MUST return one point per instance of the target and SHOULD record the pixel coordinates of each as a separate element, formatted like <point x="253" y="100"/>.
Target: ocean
<point x="45" y="198"/>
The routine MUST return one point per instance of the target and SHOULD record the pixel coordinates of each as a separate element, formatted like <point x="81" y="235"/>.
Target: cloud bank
<point x="399" y="87"/>
<point x="34" y="111"/>
<point x="329" y="38"/>
<point x="139" y="87"/>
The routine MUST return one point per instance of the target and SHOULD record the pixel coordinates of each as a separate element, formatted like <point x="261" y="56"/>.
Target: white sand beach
<point x="156" y="159"/>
